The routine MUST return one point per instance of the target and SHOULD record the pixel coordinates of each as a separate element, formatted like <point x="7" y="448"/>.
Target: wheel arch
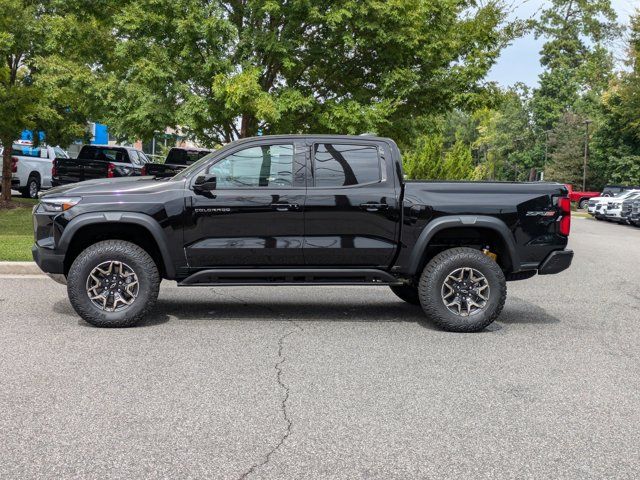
<point x="137" y="228"/>
<point x="496" y="228"/>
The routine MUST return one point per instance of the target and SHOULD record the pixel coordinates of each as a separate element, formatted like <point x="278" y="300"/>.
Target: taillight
<point x="111" y="170"/>
<point x="54" y="169"/>
<point x="14" y="164"/>
<point x="565" y="215"/>
<point x="143" y="172"/>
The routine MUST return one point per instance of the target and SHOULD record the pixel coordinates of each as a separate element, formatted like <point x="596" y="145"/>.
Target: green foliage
<point x="458" y="163"/>
<point x="567" y="159"/>
<point x="425" y="160"/>
<point x="577" y="65"/>
<point x="428" y="160"/>
<point x="40" y="88"/>
<point x="224" y="69"/>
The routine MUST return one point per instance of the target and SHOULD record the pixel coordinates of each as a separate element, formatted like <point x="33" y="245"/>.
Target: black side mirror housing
<point x="204" y="183"/>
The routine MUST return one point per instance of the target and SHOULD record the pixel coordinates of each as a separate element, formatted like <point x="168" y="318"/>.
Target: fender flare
<point x="145" y="221"/>
<point x="453" y="221"/>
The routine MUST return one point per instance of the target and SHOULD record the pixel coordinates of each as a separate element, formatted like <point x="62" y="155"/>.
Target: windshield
<point x="193" y="167"/>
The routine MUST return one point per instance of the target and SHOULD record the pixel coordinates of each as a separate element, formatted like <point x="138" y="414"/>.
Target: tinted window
<point x="179" y="156"/>
<point x="265" y="166"/>
<point x="103" y="153"/>
<point x="343" y="165"/>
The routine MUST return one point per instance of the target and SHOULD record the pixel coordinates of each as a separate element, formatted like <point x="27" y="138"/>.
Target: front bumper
<point x="556" y="262"/>
<point x="613" y="214"/>
<point x="48" y="260"/>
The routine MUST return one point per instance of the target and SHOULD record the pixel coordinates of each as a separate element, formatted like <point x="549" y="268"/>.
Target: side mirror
<point x="204" y="183"/>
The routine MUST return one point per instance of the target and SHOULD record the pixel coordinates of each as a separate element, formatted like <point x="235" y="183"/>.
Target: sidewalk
<point x="19" y="268"/>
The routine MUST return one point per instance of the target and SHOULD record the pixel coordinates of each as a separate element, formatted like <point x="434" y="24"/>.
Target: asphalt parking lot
<point x="340" y="383"/>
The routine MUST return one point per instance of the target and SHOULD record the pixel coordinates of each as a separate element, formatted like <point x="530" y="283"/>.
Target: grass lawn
<point x="16" y="231"/>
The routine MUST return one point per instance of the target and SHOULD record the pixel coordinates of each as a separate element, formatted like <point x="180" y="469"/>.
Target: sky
<point x="520" y="61"/>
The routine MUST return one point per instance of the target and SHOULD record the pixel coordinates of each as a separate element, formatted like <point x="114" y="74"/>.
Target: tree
<point x="458" y="162"/>
<point x="226" y="69"/>
<point x="617" y="139"/>
<point x="38" y="88"/>
<point x="425" y="160"/>
<point x="507" y="135"/>
<point x="577" y="65"/>
<point x="567" y="159"/>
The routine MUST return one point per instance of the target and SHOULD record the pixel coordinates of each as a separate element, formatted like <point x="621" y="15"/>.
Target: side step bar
<point x="289" y="276"/>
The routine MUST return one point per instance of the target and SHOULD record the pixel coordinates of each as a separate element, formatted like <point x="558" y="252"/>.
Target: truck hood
<point x="108" y="186"/>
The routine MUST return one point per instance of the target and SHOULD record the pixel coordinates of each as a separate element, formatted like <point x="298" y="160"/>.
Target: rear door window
<point x="59" y="153"/>
<point x="343" y="165"/>
<point x="25" y="151"/>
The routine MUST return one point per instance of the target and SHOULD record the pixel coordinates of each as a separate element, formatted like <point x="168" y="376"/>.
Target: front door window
<point x="267" y="166"/>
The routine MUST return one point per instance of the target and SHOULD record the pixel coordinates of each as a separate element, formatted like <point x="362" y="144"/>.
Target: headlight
<point x="59" y="204"/>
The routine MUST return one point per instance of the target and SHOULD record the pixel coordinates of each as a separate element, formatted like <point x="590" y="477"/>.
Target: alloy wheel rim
<point x="33" y="189"/>
<point x="112" y="286"/>
<point x="465" y="292"/>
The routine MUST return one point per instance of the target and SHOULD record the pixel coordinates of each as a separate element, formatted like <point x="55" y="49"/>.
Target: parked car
<point x="598" y="205"/>
<point x="301" y="210"/>
<point x="177" y="159"/>
<point x="613" y="190"/>
<point x="581" y="198"/>
<point x="634" y="217"/>
<point x="614" y="209"/>
<point x="31" y="167"/>
<point x="99" y="161"/>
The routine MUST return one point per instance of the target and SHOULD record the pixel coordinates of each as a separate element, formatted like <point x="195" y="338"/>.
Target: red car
<point x="581" y="198"/>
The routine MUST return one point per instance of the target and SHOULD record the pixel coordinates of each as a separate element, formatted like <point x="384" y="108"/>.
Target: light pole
<point x="586" y="155"/>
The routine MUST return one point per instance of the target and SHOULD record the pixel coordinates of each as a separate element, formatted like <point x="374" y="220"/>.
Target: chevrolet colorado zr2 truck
<point x="301" y="210"/>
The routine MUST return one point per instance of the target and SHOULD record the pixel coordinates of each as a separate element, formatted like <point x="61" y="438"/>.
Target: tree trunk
<point x="247" y="125"/>
<point x="6" y="171"/>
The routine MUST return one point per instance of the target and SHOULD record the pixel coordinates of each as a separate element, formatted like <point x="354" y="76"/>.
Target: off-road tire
<point x="408" y="293"/>
<point x="583" y="204"/>
<point x="26" y="192"/>
<point x="113" y="250"/>
<point x="435" y="274"/>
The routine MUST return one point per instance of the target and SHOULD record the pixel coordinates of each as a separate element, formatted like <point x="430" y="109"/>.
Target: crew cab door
<point x="352" y="210"/>
<point x="254" y="216"/>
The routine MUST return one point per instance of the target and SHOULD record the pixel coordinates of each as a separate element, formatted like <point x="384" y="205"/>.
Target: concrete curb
<point x="19" y="268"/>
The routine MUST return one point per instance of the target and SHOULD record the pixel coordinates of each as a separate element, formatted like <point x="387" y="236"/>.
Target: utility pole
<point x="586" y="155"/>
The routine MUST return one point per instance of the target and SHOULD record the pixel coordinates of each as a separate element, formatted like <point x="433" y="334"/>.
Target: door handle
<point x="284" y="207"/>
<point x="373" y="207"/>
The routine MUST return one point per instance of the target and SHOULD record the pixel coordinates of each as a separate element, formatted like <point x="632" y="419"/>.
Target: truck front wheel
<point x="113" y="284"/>
<point x="462" y="290"/>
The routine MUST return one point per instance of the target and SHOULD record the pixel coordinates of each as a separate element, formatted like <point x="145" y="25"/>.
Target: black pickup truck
<point x="98" y="161"/>
<point x="177" y="159"/>
<point x="301" y="210"/>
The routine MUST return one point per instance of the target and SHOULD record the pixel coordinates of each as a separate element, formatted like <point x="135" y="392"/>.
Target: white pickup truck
<point x="31" y="167"/>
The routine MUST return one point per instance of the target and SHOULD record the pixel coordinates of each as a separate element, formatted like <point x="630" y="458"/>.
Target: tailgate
<point x="71" y="170"/>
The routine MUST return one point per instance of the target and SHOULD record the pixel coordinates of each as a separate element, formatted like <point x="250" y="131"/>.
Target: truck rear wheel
<point x="408" y="293"/>
<point x="462" y="290"/>
<point x="113" y="284"/>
